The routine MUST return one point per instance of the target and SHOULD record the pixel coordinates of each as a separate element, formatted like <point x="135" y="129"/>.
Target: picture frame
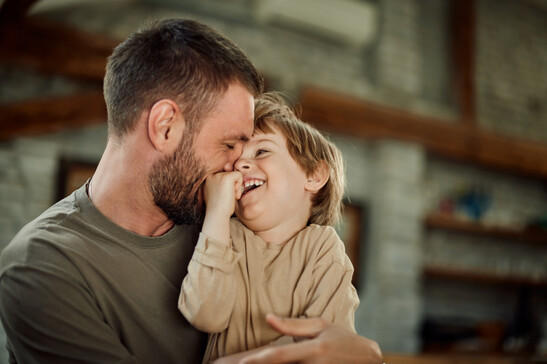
<point x="72" y="174"/>
<point x="351" y="231"/>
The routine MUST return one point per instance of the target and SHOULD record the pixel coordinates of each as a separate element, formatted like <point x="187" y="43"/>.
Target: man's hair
<point x="177" y="59"/>
<point x="309" y="148"/>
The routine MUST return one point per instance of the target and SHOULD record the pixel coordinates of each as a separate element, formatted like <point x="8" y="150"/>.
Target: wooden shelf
<point x="483" y="276"/>
<point x="448" y="222"/>
<point x="443" y="221"/>
<point x="454" y="358"/>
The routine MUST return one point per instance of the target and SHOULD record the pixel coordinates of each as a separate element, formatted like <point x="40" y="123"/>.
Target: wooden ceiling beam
<point x="448" y="138"/>
<point x="462" y="31"/>
<point x="37" y="117"/>
<point x="14" y="10"/>
<point x="54" y="48"/>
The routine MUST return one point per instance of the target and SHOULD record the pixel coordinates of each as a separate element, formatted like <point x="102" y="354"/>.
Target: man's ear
<point x="165" y="125"/>
<point x="316" y="180"/>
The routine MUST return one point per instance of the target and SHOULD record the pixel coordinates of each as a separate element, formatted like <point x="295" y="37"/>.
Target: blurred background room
<point x="439" y="107"/>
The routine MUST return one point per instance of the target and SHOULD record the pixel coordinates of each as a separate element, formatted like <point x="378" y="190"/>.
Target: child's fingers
<point x="223" y="188"/>
<point x="238" y="186"/>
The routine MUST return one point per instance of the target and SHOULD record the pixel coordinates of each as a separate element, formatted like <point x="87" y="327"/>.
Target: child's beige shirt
<point x="229" y="290"/>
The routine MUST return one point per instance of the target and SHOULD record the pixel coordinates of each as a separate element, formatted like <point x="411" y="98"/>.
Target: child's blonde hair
<point x="309" y="148"/>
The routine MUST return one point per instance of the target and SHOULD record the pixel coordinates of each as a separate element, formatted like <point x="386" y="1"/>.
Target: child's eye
<point x="260" y="151"/>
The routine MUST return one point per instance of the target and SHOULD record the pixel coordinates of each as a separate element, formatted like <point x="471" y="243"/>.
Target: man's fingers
<point x="300" y="327"/>
<point x="290" y="353"/>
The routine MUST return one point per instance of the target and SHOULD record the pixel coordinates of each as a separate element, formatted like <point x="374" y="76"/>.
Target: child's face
<point x="277" y="194"/>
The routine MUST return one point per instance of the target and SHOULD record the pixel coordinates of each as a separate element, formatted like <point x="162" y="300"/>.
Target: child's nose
<point x="241" y="164"/>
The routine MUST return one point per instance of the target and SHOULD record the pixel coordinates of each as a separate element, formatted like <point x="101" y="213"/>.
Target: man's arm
<point x="49" y="317"/>
<point x="327" y="343"/>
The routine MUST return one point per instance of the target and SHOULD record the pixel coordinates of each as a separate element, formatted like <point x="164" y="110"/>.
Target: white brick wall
<point x="399" y="63"/>
<point x="391" y="308"/>
<point x="511" y="54"/>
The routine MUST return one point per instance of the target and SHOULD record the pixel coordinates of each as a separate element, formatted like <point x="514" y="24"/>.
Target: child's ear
<point x="316" y="180"/>
<point x="165" y="125"/>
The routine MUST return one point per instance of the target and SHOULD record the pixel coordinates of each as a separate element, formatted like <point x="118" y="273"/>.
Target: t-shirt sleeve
<point x="208" y="291"/>
<point x="51" y="317"/>
<point x="332" y="295"/>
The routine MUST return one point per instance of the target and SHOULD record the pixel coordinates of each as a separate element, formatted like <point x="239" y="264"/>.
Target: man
<point x="96" y="277"/>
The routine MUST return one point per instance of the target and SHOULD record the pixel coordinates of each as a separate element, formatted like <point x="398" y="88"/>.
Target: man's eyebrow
<point x="238" y="138"/>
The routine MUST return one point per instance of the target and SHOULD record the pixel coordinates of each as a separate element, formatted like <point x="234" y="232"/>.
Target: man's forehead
<point x="229" y="130"/>
<point x="237" y="137"/>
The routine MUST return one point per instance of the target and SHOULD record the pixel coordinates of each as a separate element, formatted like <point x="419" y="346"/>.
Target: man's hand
<point x="327" y="343"/>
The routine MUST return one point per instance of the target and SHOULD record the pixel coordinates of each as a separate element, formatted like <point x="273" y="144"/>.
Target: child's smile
<point x="274" y="189"/>
<point x="250" y="184"/>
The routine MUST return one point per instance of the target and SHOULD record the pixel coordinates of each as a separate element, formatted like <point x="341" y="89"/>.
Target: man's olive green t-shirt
<point x="75" y="288"/>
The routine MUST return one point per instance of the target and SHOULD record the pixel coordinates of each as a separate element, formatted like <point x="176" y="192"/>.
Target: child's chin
<point x="245" y="216"/>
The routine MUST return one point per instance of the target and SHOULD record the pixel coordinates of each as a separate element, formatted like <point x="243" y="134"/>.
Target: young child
<point x="280" y="255"/>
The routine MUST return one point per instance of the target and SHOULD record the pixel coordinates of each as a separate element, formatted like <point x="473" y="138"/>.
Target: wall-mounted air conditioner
<point x="350" y="22"/>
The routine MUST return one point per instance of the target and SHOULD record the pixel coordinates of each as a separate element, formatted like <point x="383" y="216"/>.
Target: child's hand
<point x="221" y="192"/>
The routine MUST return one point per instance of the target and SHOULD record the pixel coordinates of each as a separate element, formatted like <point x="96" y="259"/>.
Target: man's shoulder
<point x="49" y="231"/>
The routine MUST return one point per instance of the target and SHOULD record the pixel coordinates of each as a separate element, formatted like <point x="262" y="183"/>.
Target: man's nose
<point x="228" y="167"/>
<point x="233" y="157"/>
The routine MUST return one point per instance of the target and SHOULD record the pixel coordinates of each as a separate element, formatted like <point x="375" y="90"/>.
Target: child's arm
<point x="207" y="295"/>
<point x="220" y="192"/>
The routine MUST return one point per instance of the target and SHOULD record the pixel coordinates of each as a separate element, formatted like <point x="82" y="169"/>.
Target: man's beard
<point x="174" y="183"/>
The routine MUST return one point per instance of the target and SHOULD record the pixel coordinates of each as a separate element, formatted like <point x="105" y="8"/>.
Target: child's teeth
<point x="252" y="183"/>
